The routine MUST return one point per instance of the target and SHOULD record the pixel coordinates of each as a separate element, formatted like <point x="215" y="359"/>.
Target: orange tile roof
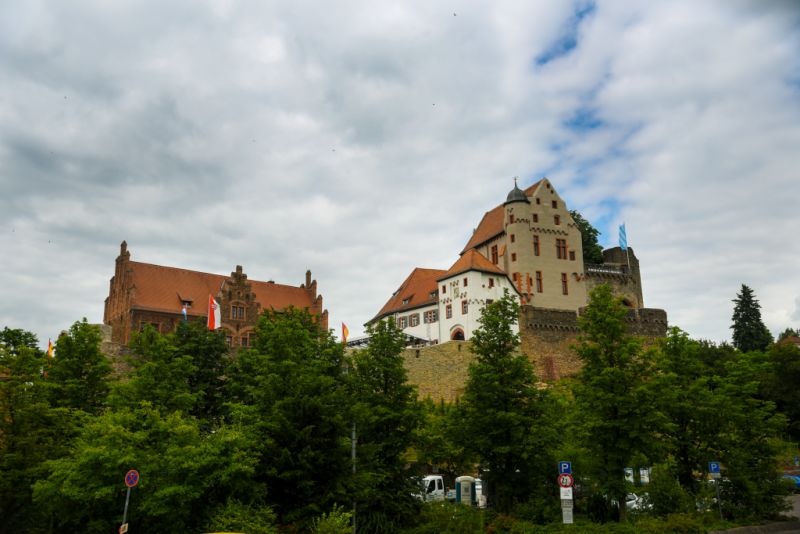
<point x="164" y="288"/>
<point x="472" y="260"/>
<point x="417" y="289"/>
<point x="492" y="223"/>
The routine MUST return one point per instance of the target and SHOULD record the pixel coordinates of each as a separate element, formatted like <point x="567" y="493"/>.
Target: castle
<point x="143" y="293"/>
<point x="531" y="246"/>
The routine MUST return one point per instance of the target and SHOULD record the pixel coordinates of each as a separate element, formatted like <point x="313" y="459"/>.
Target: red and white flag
<point x="214" y="317"/>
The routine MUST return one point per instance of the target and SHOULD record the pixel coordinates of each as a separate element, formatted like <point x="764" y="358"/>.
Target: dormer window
<point x="406" y="301"/>
<point x="433" y="294"/>
<point x="186" y="304"/>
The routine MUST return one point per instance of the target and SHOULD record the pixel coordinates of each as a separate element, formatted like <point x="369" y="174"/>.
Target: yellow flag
<point x="345" y="333"/>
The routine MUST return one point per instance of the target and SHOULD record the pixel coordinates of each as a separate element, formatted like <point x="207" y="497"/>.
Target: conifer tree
<point x="502" y="420"/>
<point x="749" y="331"/>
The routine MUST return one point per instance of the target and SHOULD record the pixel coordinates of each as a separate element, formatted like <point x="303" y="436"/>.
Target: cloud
<point x="363" y="140"/>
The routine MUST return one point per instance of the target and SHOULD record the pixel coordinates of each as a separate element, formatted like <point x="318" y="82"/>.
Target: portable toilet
<point x="465" y="491"/>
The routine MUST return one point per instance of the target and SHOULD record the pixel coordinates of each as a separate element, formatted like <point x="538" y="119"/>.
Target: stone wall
<point x="546" y="337"/>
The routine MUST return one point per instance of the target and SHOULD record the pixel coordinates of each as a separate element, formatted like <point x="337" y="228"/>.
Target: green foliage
<point x="781" y="384"/>
<point x="233" y="516"/>
<point x="15" y="339"/>
<point x="503" y="419"/>
<point x="592" y="251"/>
<point x="79" y="373"/>
<point x="619" y="412"/>
<point x="386" y="416"/>
<point x="749" y="331"/>
<point x="448" y="518"/>
<point x="337" y="521"/>
<point x="665" y="494"/>
<point x="288" y="392"/>
<point x="31" y="431"/>
<point x="435" y="446"/>
<point x="181" y="471"/>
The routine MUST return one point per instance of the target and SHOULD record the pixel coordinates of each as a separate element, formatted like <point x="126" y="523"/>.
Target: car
<point x="638" y="503"/>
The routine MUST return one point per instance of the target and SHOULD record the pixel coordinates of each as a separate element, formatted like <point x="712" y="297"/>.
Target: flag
<point x="183" y="311"/>
<point x="623" y="238"/>
<point x="345" y="333"/>
<point x="50" y="349"/>
<point x="214" y="318"/>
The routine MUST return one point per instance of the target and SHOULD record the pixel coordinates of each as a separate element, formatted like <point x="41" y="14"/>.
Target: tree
<point x="79" y="372"/>
<point x="781" y="386"/>
<point x="502" y="412"/>
<point x="749" y="331"/>
<point x="386" y="416"/>
<point x="31" y="432"/>
<point x="620" y="416"/>
<point x="592" y="251"/>
<point x="288" y="392"/>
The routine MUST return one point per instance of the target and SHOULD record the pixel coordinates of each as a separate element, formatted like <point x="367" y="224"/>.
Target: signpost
<point x="644" y="475"/>
<point x="629" y="474"/>
<point x="131" y="480"/>
<point x="565" y="481"/>
<point x="715" y="472"/>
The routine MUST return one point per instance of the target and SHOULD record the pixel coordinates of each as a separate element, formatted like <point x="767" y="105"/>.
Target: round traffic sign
<point x="131" y="478"/>
<point x="565" y="480"/>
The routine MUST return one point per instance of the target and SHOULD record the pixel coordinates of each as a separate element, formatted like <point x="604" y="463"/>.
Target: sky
<point x="362" y="139"/>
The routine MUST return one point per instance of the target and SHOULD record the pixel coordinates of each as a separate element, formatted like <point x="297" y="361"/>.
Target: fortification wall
<point x="546" y="337"/>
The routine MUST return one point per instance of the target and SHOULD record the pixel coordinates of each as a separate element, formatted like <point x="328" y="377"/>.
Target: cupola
<point x="516" y="195"/>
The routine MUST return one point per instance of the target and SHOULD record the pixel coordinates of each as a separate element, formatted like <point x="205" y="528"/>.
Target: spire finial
<point x="515" y="180"/>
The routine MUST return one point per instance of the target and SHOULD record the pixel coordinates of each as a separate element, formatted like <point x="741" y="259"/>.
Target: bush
<point x="665" y="494"/>
<point x="237" y="517"/>
<point x="449" y="518"/>
<point x="337" y="521"/>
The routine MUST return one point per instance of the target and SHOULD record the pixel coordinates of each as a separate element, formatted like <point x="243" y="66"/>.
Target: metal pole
<point x="125" y="513"/>
<point x="353" y="456"/>
<point x="719" y="499"/>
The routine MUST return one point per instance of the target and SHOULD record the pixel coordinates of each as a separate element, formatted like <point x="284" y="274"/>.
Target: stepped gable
<point x="144" y="293"/>
<point x="415" y="291"/>
<point x="472" y="260"/>
<point x="160" y="288"/>
<point x="492" y="223"/>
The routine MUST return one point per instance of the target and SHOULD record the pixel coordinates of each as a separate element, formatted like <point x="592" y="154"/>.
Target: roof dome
<point x="517" y="195"/>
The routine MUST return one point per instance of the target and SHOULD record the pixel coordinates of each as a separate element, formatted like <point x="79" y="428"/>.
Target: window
<point x="229" y="340"/>
<point x="513" y="238"/>
<point x="557" y="220"/>
<point x="433" y="294"/>
<point x="564" y="288"/>
<point x="402" y="322"/>
<point x="561" y="249"/>
<point x="494" y="254"/>
<point x="444" y="289"/>
<point x="406" y="301"/>
<point x="464" y="307"/>
<point x="536" y="245"/>
<point x="245" y="341"/>
<point x="539" y="284"/>
<point x="413" y="320"/>
<point x="513" y="256"/>
<point x="572" y="255"/>
<point x="554" y="204"/>
<point x="510" y="218"/>
<point x="489" y="301"/>
<point x="491" y="282"/>
<point x="536" y="217"/>
<point x="465" y="282"/>
<point x="431" y="316"/>
<point x="538" y="200"/>
<point x="515" y="277"/>
<point x="448" y="311"/>
<point x="186" y="303"/>
<point x="237" y="312"/>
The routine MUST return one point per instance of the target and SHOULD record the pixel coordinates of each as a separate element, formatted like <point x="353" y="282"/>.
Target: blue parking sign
<point x="564" y="468"/>
<point x="713" y="467"/>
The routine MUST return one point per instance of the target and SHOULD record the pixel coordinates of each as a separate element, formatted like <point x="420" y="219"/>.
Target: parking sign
<point x="564" y="468"/>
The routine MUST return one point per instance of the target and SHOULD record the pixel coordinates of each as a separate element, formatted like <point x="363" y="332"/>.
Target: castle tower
<point x="519" y="253"/>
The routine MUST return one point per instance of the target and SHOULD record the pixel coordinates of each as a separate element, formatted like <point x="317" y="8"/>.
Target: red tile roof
<point x="417" y="289"/>
<point x="472" y="260"/>
<point x="492" y="223"/>
<point x="164" y="288"/>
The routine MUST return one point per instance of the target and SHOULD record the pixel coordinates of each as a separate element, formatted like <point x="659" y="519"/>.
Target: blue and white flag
<point x="183" y="311"/>
<point x="623" y="238"/>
